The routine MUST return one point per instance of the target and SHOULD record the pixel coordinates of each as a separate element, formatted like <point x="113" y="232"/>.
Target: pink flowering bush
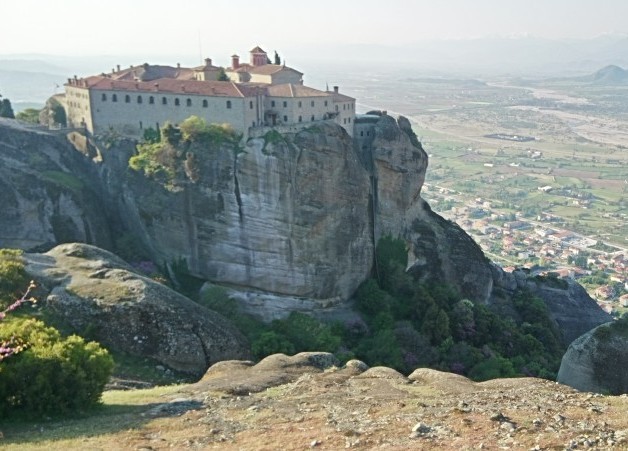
<point x="13" y="345"/>
<point x="42" y="373"/>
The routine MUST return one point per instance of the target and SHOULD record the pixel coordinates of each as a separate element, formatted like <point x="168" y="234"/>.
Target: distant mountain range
<point x="610" y="75"/>
<point x="33" y="78"/>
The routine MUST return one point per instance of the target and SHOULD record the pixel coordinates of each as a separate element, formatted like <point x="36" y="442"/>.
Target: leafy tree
<point x="222" y="75"/>
<point x="30" y="115"/>
<point x="6" y="110"/>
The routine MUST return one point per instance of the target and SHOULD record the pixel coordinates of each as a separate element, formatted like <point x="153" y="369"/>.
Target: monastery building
<point x="256" y="94"/>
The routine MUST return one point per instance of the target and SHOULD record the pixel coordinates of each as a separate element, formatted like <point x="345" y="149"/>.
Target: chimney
<point x="178" y="65"/>
<point x="69" y="81"/>
<point x="208" y="62"/>
<point x="235" y="62"/>
<point x="336" y="89"/>
<point x="113" y="71"/>
<point x="118" y="67"/>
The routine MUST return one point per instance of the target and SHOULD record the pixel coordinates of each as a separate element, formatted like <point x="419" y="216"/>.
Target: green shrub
<point x="13" y="277"/>
<point x="53" y="375"/>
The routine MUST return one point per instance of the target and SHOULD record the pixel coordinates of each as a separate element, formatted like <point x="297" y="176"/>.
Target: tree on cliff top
<point x="6" y="110"/>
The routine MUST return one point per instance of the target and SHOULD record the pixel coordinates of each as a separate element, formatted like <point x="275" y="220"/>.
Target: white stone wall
<point x="346" y="114"/>
<point x="133" y="117"/>
<point x="78" y="107"/>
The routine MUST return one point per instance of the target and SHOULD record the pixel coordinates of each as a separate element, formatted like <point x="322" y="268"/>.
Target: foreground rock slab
<point x="101" y="297"/>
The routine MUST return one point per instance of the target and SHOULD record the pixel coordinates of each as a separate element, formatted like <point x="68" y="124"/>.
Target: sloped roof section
<point x="171" y="86"/>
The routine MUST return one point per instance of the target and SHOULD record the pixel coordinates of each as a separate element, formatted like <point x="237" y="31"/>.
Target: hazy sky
<point x="221" y="27"/>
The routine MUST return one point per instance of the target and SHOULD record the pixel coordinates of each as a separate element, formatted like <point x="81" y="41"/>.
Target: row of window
<point x="300" y="104"/>
<point x="164" y="100"/>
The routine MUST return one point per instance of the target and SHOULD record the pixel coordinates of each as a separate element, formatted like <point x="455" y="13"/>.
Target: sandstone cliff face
<point x="45" y="196"/>
<point x="598" y="360"/>
<point x="289" y="221"/>
<point x="94" y="292"/>
<point x="287" y="216"/>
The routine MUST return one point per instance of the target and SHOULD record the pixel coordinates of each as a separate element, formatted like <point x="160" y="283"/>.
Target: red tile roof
<point x="257" y="49"/>
<point x="173" y="86"/>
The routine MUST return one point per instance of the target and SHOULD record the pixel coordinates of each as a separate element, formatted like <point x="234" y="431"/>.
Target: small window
<point x="325" y="102"/>
<point x="151" y="100"/>
<point x="103" y="97"/>
<point x="139" y="100"/>
<point x="285" y="104"/>
<point x="141" y="125"/>
<point x="300" y="104"/>
<point x="344" y="121"/>
<point x="361" y="133"/>
<point x="312" y="118"/>
<point x="229" y="104"/>
<point x="285" y="118"/>
<point x="312" y="103"/>
<point x="368" y="133"/>
<point x="204" y="103"/>
<point x="272" y="103"/>
<point x="114" y="98"/>
<point x="188" y="102"/>
<point x="251" y="104"/>
<point x="127" y="99"/>
<point x="253" y="124"/>
<point x="344" y="107"/>
<point x="164" y="101"/>
<point x="300" y="119"/>
<point x="349" y="120"/>
<point x="176" y="102"/>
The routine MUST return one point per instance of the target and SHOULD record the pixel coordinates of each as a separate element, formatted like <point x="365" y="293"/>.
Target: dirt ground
<point x="304" y="402"/>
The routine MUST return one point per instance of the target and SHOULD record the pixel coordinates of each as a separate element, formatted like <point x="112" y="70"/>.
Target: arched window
<point x="300" y="104"/>
<point x="164" y="101"/>
<point x="272" y="104"/>
<point x="176" y="102"/>
<point x="312" y="118"/>
<point x="114" y="98"/>
<point x="139" y="99"/>
<point x="300" y="119"/>
<point x="204" y="103"/>
<point x="362" y="133"/>
<point x="103" y="97"/>
<point x="229" y="104"/>
<point x="251" y="104"/>
<point x="151" y="100"/>
<point x="188" y="102"/>
<point x="127" y="98"/>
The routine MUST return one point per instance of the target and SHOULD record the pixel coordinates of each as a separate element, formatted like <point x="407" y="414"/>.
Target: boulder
<point x="598" y="360"/>
<point x="100" y="296"/>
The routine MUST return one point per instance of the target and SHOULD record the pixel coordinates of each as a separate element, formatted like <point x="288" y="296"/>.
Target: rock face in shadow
<point x="290" y="221"/>
<point x="100" y="296"/>
<point x="46" y="194"/>
<point x="598" y="360"/>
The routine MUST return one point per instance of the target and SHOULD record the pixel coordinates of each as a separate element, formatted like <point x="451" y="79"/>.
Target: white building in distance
<point x="257" y="94"/>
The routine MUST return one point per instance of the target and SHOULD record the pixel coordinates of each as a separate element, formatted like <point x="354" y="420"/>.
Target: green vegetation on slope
<point x="405" y="325"/>
<point x="171" y="156"/>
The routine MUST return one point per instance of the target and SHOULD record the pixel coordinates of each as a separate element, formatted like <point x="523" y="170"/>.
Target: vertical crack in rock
<point x="191" y="229"/>
<point x="206" y="353"/>
<point x="236" y="187"/>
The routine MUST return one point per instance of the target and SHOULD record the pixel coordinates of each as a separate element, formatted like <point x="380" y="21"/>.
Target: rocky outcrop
<point x="99" y="296"/>
<point x="285" y="214"/>
<point x="597" y="361"/>
<point x="46" y="194"/>
<point x="286" y="221"/>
